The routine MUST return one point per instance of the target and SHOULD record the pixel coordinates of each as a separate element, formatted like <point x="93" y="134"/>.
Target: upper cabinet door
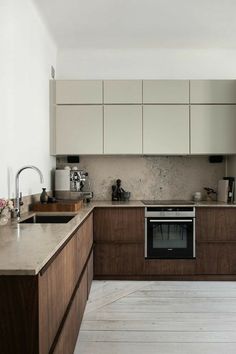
<point x="78" y="92"/>
<point x="213" y="91"/>
<point x="123" y="129"/>
<point x="79" y="130"/>
<point x="213" y="129"/>
<point x="166" y="91"/>
<point x="122" y="91"/>
<point x="166" y="130"/>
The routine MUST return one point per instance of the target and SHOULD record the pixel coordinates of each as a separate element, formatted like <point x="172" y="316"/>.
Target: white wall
<point x="27" y="52"/>
<point x="146" y="63"/>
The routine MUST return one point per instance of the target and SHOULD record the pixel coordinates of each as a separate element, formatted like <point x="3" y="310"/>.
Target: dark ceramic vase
<point x="44" y="196"/>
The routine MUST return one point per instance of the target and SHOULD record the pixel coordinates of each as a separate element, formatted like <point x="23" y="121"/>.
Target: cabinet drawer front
<point x="216" y="224"/>
<point x="84" y="242"/>
<point x="118" y="259"/>
<point x="213" y="129"/>
<point x="119" y="225"/>
<point x="122" y="91"/>
<point x="166" y="129"/>
<point x="216" y="258"/>
<point x="166" y="91"/>
<point x="213" y="91"/>
<point x="68" y="337"/>
<point x="79" y="130"/>
<point x="78" y="92"/>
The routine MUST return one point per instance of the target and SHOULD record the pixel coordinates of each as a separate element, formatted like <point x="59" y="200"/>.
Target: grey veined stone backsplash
<point x="150" y="177"/>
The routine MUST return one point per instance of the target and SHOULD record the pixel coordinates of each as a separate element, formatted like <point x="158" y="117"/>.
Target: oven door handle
<point x="171" y="220"/>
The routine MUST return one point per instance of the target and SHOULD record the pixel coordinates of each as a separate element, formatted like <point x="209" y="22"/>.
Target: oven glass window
<point x="169" y="235"/>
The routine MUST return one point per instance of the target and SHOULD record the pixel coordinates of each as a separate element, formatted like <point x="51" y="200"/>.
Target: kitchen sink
<point x="48" y="219"/>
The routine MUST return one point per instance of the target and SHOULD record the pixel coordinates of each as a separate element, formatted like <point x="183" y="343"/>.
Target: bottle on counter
<point x="44" y="196"/>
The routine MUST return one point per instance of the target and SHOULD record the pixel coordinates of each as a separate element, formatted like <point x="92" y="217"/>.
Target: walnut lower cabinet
<point x="42" y="314"/>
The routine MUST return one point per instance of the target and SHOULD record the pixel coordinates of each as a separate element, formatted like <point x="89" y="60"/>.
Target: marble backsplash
<point x="149" y="177"/>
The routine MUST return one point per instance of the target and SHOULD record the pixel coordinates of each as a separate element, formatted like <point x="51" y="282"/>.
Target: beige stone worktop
<point x="26" y="248"/>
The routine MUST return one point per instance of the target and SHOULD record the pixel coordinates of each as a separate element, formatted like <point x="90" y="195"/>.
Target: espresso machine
<point x="72" y="185"/>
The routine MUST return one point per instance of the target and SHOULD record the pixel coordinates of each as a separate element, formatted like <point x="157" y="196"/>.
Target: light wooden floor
<point x="124" y="317"/>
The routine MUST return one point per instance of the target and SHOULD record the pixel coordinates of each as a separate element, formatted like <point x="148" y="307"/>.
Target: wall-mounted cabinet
<point x="212" y="91"/>
<point x="123" y="129"/>
<point x="122" y="91"/>
<point x="78" y="92"/>
<point x="143" y="117"/>
<point x="213" y="129"/>
<point x="165" y="91"/>
<point x="166" y="129"/>
<point x="79" y="130"/>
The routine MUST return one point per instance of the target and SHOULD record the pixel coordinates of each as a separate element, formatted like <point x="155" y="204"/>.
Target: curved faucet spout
<point x="18" y="201"/>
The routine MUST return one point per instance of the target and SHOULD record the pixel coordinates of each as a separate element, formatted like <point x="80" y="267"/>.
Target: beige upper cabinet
<point x="78" y="92"/>
<point x="213" y="129"/>
<point x="123" y="129"/>
<point x="166" y="129"/>
<point x="79" y="130"/>
<point x="165" y="91"/>
<point x="212" y="91"/>
<point x="122" y="91"/>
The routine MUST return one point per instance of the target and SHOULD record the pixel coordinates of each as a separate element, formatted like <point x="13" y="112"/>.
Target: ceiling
<point x="141" y="23"/>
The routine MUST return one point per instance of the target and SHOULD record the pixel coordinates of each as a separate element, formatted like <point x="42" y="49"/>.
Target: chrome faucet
<point x="18" y="200"/>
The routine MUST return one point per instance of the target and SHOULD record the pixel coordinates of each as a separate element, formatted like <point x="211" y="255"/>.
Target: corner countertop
<point x="26" y="248"/>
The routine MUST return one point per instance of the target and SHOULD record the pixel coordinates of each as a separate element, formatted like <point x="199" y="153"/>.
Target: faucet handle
<point x="20" y="199"/>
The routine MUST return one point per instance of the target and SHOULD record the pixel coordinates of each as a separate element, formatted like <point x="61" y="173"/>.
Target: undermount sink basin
<point x="48" y="219"/>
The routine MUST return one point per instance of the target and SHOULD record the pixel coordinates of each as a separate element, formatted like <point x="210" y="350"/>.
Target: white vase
<point x="4" y="217"/>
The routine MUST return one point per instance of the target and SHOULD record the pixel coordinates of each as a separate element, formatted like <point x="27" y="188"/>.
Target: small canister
<point x="197" y="196"/>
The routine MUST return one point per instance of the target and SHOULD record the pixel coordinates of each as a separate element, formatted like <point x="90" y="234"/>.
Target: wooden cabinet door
<point x="166" y="129"/>
<point x="79" y="130"/>
<point x="166" y="91"/>
<point x="122" y="91"/>
<point x="213" y="129"/>
<point x="123" y="129"/>
<point x="216" y="258"/>
<point x="213" y="91"/>
<point x="78" y="92"/>
<point x="119" y="225"/>
<point x="216" y="224"/>
<point x="90" y="271"/>
<point x="118" y="260"/>
<point x="58" y="282"/>
<point x="68" y="337"/>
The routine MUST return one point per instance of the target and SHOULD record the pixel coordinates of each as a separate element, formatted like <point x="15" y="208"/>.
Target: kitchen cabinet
<point x="166" y="129"/>
<point x="119" y="242"/>
<point x="122" y="91"/>
<point x="79" y="130"/>
<point x="165" y="91"/>
<point x="78" y="92"/>
<point x="122" y="129"/>
<point x="216" y="241"/>
<point x="42" y="314"/>
<point x="213" y="129"/>
<point x="212" y="91"/>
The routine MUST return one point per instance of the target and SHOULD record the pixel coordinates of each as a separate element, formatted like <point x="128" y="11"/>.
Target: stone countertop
<point x="26" y="248"/>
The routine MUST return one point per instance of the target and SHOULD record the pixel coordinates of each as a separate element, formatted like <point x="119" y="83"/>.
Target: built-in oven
<point x="170" y="232"/>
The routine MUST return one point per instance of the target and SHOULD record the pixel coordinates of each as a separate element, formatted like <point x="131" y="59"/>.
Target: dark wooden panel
<point x="58" y="282"/>
<point x="118" y="259"/>
<point x="119" y="224"/>
<point x="216" y="224"/>
<point x="56" y="286"/>
<point x="170" y="266"/>
<point x="90" y="271"/>
<point x="67" y="340"/>
<point x="216" y="258"/>
<point x="18" y="315"/>
<point x="84" y="242"/>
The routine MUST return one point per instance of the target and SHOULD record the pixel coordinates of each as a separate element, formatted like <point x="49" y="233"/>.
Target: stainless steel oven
<point x="170" y="232"/>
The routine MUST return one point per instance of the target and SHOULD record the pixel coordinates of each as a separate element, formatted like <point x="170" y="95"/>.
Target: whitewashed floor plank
<point x="158" y="336"/>
<point x="154" y="348"/>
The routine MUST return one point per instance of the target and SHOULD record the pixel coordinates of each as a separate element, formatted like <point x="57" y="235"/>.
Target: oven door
<point x="170" y="238"/>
